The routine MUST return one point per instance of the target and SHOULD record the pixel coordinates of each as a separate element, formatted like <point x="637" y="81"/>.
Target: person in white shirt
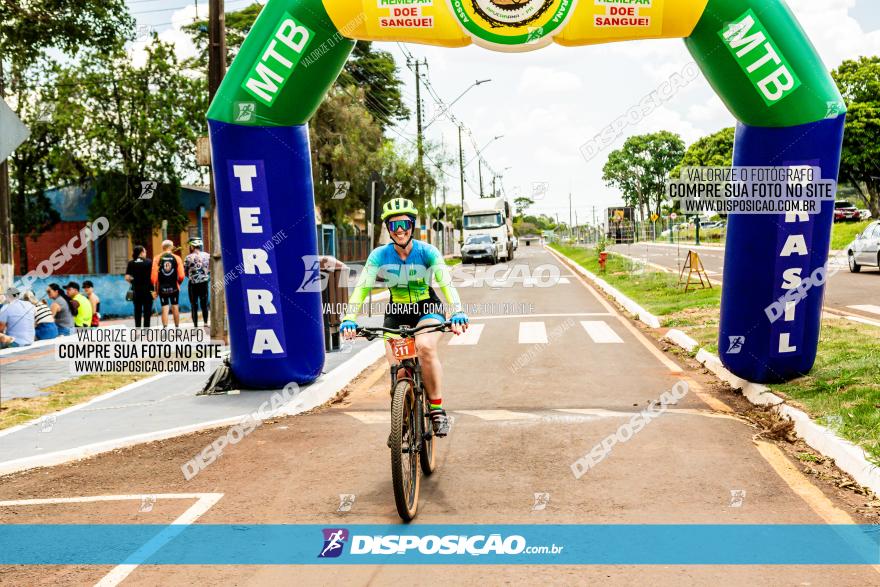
<point x="16" y="321"/>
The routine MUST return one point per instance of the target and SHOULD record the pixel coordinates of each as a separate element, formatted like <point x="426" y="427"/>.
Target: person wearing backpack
<point x="167" y="275"/>
<point x="82" y="317"/>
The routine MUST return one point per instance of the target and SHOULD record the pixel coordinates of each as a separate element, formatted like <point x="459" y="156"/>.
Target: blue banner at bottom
<point x="203" y="544"/>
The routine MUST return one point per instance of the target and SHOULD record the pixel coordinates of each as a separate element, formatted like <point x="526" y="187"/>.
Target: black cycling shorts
<point x="170" y="299"/>
<point x="397" y="315"/>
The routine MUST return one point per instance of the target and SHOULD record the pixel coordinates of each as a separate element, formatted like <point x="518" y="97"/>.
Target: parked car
<point x="713" y="225"/>
<point x="846" y="212"/>
<point x="866" y="214"/>
<point x="865" y="250"/>
<point x="479" y="247"/>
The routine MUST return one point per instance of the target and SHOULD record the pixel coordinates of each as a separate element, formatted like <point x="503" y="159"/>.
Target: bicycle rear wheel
<point x="426" y="455"/>
<point x="405" y="470"/>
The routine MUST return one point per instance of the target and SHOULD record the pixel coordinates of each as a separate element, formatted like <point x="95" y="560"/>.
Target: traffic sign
<point x="655" y="217"/>
<point x="673" y="215"/>
<point x="13" y="132"/>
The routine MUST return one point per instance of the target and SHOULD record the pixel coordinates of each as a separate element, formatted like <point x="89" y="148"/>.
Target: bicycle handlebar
<point x="404" y="331"/>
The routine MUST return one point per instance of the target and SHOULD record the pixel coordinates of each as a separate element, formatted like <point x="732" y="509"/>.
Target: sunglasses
<point x="405" y="225"/>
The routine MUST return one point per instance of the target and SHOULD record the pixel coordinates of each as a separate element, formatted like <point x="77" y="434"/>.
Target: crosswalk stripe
<point x="498" y="414"/>
<point x="534" y="282"/>
<point x="532" y="333"/>
<point x="471" y="337"/>
<point x="600" y="332"/>
<point x="867" y="308"/>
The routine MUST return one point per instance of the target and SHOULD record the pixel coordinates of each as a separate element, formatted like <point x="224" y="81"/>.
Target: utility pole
<point x="6" y="263"/>
<point x="445" y="219"/>
<point x="420" y="147"/>
<point x="216" y="71"/>
<point x="480" y="167"/>
<point x="578" y="233"/>
<point x="461" y="174"/>
<point x="570" y="225"/>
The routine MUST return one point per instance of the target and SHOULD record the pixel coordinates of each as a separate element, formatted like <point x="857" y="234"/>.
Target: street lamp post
<point x="446" y="109"/>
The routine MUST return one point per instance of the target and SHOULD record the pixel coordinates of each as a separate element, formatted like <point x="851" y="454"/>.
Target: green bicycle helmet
<point x="399" y="206"/>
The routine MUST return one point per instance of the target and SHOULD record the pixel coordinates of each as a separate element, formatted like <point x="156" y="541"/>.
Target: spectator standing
<point x="95" y="301"/>
<point x="44" y="321"/>
<point x="62" y="309"/>
<point x="167" y="275"/>
<point x="83" y="316"/>
<point x="197" y="267"/>
<point x="138" y="274"/>
<point x="16" y="321"/>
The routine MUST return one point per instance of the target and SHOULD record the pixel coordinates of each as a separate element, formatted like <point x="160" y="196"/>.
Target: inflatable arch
<point x="753" y="52"/>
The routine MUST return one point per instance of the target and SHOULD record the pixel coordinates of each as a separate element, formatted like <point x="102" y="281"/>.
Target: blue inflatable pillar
<point x="764" y="259"/>
<point x="265" y="206"/>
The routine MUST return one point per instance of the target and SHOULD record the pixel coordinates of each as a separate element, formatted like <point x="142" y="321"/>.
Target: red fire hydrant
<point x="603" y="259"/>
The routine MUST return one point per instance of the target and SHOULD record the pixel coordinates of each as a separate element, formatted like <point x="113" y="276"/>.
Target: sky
<point x="547" y="103"/>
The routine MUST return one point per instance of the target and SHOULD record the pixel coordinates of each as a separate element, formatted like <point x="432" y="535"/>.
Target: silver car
<point x="479" y="248"/>
<point x="865" y="250"/>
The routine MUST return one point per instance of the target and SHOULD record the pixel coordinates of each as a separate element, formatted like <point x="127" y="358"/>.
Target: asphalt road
<point x="850" y="294"/>
<point x="524" y="412"/>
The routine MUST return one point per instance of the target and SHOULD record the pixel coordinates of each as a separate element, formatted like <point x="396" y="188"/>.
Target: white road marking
<point x="471" y="337"/>
<point x="382" y="417"/>
<point x="600" y="332"/>
<point x="518" y="316"/>
<point x="532" y="333"/>
<point x="673" y="368"/>
<point x="499" y="415"/>
<point x="867" y="308"/>
<point x="599" y="413"/>
<point x="205" y="501"/>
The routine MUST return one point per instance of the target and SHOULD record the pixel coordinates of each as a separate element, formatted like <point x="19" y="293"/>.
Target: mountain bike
<point x="412" y="435"/>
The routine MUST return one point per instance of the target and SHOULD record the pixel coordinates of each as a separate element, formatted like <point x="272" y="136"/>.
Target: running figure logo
<point x="736" y="344"/>
<point x="314" y="280"/>
<point x="334" y="540"/>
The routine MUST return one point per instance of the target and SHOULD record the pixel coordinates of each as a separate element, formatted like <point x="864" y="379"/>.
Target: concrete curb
<point x="313" y="396"/>
<point x="681" y="339"/>
<point x="629" y="305"/>
<point x="849" y="457"/>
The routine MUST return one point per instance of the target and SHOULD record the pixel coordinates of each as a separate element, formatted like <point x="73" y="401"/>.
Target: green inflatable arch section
<point x="815" y="97"/>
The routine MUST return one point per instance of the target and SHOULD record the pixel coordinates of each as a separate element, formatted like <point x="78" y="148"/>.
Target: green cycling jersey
<point x="409" y="280"/>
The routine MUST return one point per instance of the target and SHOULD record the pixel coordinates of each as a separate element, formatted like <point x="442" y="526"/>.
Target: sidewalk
<point x="26" y="371"/>
<point x="156" y="408"/>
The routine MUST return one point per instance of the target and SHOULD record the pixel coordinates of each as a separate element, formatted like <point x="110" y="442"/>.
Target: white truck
<point x="492" y="217"/>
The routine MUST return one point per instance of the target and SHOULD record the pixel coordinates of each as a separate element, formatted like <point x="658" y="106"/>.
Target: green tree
<point x="347" y="146"/>
<point x="522" y="203"/>
<point x="715" y="150"/>
<point x="132" y="124"/>
<point x="859" y="82"/>
<point x="376" y="71"/>
<point x="28" y="30"/>
<point x="371" y="69"/>
<point x="641" y="167"/>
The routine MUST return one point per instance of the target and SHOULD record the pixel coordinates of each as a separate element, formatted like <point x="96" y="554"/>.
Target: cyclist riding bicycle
<point x="410" y="266"/>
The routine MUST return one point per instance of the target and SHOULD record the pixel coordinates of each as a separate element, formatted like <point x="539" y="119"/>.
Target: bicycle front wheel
<point x="405" y="430"/>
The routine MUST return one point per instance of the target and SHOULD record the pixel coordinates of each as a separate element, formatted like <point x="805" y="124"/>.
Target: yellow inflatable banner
<point x="513" y="25"/>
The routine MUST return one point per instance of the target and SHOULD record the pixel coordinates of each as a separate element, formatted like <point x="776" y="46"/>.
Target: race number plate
<point x="404" y="348"/>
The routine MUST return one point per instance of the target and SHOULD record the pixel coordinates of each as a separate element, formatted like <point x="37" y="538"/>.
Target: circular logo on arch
<point x="510" y="23"/>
